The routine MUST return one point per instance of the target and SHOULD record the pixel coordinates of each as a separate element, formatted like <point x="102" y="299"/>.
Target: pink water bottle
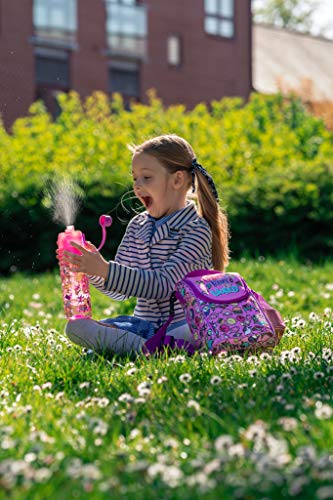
<point x="75" y="285"/>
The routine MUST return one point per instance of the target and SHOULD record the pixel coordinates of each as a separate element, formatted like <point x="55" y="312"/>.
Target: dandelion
<point x="265" y="356"/>
<point x="291" y="293"/>
<point x="162" y="379"/>
<point x="140" y="400"/>
<point x="323" y="411"/>
<point x="84" y="385"/>
<point x="101" y="428"/>
<point x="236" y="451"/>
<point x="178" y="359"/>
<point x="42" y="475"/>
<point x="318" y="375"/>
<point x="30" y="457"/>
<point x="256" y="431"/>
<point x="243" y="386"/>
<point x="134" y="434"/>
<point x="288" y="423"/>
<point x="194" y="404"/>
<point x="327" y="311"/>
<point x="103" y="402"/>
<point x="289" y="407"/>
<point x="327" y="354"/>
<point x="126" y="398"/>
<point x="313" y="316"/>
<point x="301" y="323"/>
<point x="223" y="443"/>
<point x="236" y="358"/>
<point x="252" y="373"/>
<point x="131" y="371"/>
<point x="215" y="380"/>
<point x="171" y="443"/>
<point x="144" y="385"/>
<point x="185" y="377"/>
<point x="253" y="359"/>
<point x="144" y="392"/>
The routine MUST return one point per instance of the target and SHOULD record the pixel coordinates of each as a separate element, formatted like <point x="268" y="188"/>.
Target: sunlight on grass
<point x="76" y="424"/>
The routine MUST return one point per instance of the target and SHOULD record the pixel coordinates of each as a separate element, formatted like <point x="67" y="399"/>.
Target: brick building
<point x="188" y="50"/>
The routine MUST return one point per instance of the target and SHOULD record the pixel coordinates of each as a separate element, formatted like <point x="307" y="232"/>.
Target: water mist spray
<point x="75" y="285"/>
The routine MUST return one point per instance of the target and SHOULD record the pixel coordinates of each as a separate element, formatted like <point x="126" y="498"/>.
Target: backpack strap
<point x="160" y="340"/>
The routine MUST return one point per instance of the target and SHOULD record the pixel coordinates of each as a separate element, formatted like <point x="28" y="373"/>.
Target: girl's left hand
<point x="89" y="262"/>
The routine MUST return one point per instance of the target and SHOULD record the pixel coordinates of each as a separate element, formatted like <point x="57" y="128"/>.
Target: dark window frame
<point x="220" y="17"/>
<point x="137" y="39"/>
<point x="66" y="35"/>
<point x="129" y="68"/>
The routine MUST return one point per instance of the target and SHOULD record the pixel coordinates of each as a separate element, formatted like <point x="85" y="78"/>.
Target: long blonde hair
<point x="175" y="153"/>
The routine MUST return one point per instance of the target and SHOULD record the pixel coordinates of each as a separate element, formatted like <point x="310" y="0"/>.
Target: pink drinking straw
<point x="104" y="221"/>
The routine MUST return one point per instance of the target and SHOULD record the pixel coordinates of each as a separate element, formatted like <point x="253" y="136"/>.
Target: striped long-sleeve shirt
<point x="148" y="266"/>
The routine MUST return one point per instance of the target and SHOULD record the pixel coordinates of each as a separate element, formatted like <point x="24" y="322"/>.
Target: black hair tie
<point x="203" y="171"/>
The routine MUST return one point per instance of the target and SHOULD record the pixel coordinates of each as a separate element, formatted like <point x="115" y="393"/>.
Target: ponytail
<point x="210" y="210"/>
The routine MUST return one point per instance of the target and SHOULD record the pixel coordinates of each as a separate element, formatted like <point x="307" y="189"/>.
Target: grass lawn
<point x="76" y="425"/>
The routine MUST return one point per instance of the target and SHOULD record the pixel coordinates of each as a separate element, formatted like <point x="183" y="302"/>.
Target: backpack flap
<point x="217" y="287"/>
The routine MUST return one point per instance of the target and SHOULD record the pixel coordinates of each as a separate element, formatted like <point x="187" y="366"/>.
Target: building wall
<point x="212" y="67"/>
<point x="89" y="63"/>
<point x="16" y="59"/>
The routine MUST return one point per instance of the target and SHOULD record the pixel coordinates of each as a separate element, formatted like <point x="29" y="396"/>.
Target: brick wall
<point x="89" y="64"/>
<point x="16" y="59"/>
<point x="212" y="66"/>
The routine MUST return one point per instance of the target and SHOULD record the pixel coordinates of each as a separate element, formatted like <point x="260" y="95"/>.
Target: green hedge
<point x="272" y="162"/>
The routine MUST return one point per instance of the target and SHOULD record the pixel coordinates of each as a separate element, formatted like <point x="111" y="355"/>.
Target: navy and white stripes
<point x="148" y="266"/>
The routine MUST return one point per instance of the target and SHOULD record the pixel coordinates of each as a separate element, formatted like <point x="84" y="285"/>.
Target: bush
<point x="271" y="160"/>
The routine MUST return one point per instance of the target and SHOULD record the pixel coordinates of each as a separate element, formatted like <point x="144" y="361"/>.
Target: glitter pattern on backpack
<point x="223" y="313"/>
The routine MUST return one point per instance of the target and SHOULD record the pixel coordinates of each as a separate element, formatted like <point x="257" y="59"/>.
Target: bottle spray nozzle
<point x="104" y="221"/>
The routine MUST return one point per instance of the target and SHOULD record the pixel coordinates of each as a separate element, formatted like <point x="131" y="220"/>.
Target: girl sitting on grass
<point x="160" y="246"/>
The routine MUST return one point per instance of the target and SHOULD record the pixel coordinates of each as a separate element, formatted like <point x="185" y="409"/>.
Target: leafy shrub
<point x="270" y="158"/>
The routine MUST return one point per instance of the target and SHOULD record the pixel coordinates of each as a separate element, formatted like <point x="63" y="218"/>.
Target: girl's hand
<point x="90" y="262"/>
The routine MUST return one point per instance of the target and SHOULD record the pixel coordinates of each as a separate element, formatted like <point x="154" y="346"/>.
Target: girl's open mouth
<point x="147" y="200"/>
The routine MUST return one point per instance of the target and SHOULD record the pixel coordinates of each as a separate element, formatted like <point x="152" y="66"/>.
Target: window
<point x="51" y="76"/>
<point x="55" y="19"/>
<point x="124" y="78"/>
<point x="219" y="18"/>
<point x="126" y="28"/>
<point x="52" y="68"/>
<point x="174" y="50"/>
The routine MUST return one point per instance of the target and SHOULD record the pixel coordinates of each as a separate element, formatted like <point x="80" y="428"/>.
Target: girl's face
<point x="161" y="192"/>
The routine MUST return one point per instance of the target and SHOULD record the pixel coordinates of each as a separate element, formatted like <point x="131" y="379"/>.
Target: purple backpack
<point x="223" y="313"/>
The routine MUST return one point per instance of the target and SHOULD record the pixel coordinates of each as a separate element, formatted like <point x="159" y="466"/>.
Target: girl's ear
<point x="179" y="179"/>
